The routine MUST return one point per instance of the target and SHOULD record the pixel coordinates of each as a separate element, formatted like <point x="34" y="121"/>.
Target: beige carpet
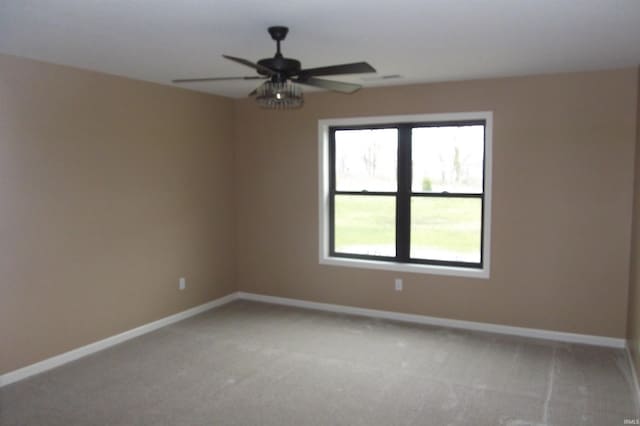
<point x="257" y="364"/>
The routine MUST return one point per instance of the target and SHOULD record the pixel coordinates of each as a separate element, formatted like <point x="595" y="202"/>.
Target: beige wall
<point x="562" y="190"/>
<point x="633" y="322"/>
<point x="110" y="190"/>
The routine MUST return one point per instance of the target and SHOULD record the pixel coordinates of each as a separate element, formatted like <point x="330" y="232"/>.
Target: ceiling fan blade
<point x="250" y="64"/>
<point x="354" y="68"/>
<point x="194" y="80"/>
<point x="336" y="86"/>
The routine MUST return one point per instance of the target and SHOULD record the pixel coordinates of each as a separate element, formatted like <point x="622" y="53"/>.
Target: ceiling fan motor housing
<point x="284" y="67"/>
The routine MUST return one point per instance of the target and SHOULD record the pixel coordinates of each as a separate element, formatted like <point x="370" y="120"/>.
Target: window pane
<point x="365" y="224"/>
<point x="366" y="160"/>
<point x="446" y="228"/>
<point x="448" y="159"/>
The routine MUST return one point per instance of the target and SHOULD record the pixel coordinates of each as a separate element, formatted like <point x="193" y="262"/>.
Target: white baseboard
<point x="634" y="377"/>
<point x="444" y="322"/>
<point x="74" y="354"/>
<point x="80" y="352"/>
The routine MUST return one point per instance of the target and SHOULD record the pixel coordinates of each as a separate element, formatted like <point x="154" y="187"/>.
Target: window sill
<point x="406" y="267"/>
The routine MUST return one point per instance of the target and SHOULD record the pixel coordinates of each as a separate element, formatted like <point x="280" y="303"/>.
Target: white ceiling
<point x="422" y="40"/>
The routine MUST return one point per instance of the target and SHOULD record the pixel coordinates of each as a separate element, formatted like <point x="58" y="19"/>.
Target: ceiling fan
<point x="280" y="73"/>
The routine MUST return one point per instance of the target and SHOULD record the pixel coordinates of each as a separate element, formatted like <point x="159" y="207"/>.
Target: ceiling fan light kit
<point x="281" y="90"/>
<point x="285" y="95"/>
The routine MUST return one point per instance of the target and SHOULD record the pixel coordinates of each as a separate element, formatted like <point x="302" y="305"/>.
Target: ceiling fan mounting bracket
<point x="278" y="33"/>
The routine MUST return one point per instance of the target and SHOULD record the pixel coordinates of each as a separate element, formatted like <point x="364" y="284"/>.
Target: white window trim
<point x="323" y="193"/>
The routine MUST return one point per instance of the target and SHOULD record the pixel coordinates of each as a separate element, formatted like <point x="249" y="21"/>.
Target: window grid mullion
<point x="403" y="206"/>
<point x="447" y="194"/>
<point x="379" y="193"/>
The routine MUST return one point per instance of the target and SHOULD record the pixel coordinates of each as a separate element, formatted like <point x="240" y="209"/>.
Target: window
<point x="408" y="193"/>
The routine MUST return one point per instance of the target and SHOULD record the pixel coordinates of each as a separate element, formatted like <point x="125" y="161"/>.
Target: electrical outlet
<point x="398" y="284"/>
<point x="182" y="283"/>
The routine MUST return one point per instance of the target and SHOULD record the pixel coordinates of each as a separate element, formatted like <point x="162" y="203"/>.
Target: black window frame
<point x="404" y="193"/>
